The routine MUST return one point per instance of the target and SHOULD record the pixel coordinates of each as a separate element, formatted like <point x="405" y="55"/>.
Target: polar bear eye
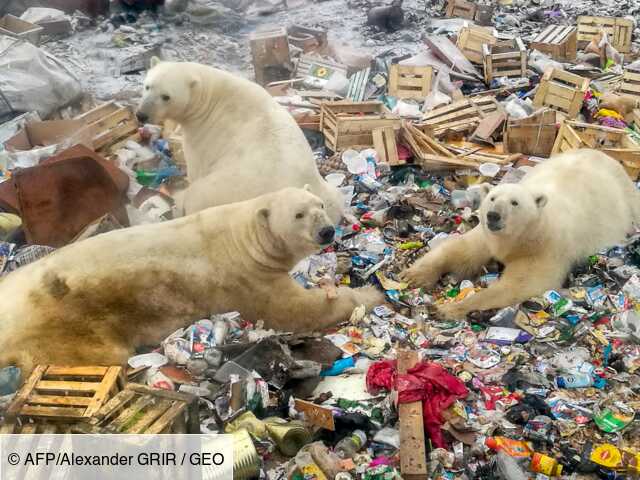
<point x="514" y="203"/>
<point x="166" y="98"/>
<point x="299" y="215"/>
<point x="322" y="206"/>
<point x="493" y="199"/>
<point x="147" y="87"/>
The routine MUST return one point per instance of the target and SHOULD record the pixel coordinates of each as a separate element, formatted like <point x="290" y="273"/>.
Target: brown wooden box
<point x="630" y="84"/>
<point x="534" y="135"/>
<point x="65" y="394"/>
<point x="615" y="142"/>
<point x="461" y="116"/>
<point x="384" y="141"/>
<point x="351" y="124"/>
<point x="504" y="59"/>
<point x="558" y="41"/>
<point x="140" y="409"/>
<point x="619" y="31"/>
<point x="562" y="91"/>
<point x="471" y="39"/>
<point x="410" y="82"/>
<point x="271" y="57"/>
<point x="461" y="9"/>
<point x="108" y="124"/>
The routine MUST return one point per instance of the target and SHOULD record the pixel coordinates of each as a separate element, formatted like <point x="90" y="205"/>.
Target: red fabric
<point x="426" y="382"/>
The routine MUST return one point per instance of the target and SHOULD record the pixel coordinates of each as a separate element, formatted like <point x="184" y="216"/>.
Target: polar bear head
<point x="295" y="222"/>
<point x="511" y="210"/>
<point x="168" y="91"/>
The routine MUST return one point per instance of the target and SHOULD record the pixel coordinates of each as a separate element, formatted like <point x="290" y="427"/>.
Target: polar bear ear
<point x="307" y="187"/>
<point x="541" y="200"/>
<point x="193" y="82"/>
<point x="154" y="61"/>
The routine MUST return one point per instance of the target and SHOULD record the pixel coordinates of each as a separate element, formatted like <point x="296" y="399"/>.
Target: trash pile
<point x="549" y="388"/>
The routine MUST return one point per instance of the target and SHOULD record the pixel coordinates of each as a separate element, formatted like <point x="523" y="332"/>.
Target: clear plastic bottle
<point x="350" y="445"/>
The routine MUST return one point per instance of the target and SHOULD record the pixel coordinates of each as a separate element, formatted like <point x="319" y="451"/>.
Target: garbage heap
<point x="547" y="388"/>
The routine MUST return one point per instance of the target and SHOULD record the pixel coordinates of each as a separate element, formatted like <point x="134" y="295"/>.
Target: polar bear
<point x="94" y="301"/>
<point x="562" y="211"/>
<point x="238" y="141"/>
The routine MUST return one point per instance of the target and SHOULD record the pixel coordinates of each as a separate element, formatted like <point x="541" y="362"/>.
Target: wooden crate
<point x="140" y="409"/>
<point x="461" y="9"/>
<point x="471" y="39"/>
<point x="351" y="124"/>
<point x="65" y="394"/>
<point x="561" y="91"/>
<point x="534" y="135"/>
<point x="410" y="82"/>
<point x="13" y="26"/>
<point x="384" y="141"/>
<point x="506" y="58"/>
<point x="271" y="56"/>
<point x="619" y="31"/>
<point x="109" y="123"/>
<point x="615" y="142"/>
<point x="630" y="84"/>
<point x="560" y="42"/>
<point x="461" y="116"/>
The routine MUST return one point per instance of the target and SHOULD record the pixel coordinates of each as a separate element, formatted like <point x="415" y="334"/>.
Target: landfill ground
<point x="545" y="387"/>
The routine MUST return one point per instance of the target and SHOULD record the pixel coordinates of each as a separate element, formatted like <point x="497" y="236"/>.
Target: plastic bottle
<point x="349" y="446"/>
<point x="577" y="380"/>
<point x="545" y="464"/>
<point x="508" y="468"/>
<point x="513" y="448"/>
<point x="308" y="468"/>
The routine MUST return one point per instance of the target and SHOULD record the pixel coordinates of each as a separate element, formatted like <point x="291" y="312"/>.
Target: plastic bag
<point x="436" y="98"/>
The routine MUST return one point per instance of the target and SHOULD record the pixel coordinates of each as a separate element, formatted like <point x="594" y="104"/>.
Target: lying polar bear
<point x="238" y="141"/>
<point x="564" y="210"/>
<point x="94" y="301"/>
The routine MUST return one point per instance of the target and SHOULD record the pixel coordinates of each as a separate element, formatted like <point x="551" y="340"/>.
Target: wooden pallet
<point x="534" y="135"/>
<point x="351" y="124"/>
<point x="108" y="123"/>
<point x="461" y="9"/>
<point x="560" y="42"/>
<point x="615" y="142"/>
<point x="410" y="82"/>
<point x="506" y="58"/>
<point x="630" y="84"/>
<point x="461" y="116"/>
<point x="65" y="393"/>
<point x="384" y="141"/>
<point x="140" y="409"/>
<point x="561" y="91"/>
<point x="471" y="39"/>
<point x="619" y="31"/>
<point x="270" y="54"/>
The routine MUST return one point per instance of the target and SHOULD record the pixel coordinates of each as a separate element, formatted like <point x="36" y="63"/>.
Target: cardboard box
<point x="47" y="133"/>
<point x="16" y="27"/>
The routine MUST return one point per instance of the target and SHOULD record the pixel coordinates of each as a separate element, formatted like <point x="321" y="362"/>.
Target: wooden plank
<point x="58" y="412"/>
<point x="55" y="370"/>
<point x="98" y="112"/>
<point x="163" y="424"/>
<point x="36" y="399"/>
<point x="102" y="393"/>
<point x="114" y="405"/>
<point x="62" y="386"/>
<point x="413" y="464"/>
<point x="120" y="422"/>
<point x="24" y="392"/>
<point x="150" y="416"/>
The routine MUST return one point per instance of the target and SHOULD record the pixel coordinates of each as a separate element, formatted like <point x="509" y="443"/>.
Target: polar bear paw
<point x="369" y="297"/>
<point x="420" y="275"/>
<point x="452" y="311"/>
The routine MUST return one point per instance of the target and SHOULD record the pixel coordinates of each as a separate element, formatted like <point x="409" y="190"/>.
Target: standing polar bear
<point x="564" y="210"/>
<point x="94" y="301"/>
<point x="239" y="143"/>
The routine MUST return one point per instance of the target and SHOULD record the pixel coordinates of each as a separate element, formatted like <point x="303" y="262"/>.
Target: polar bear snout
<point x="142" y="117"/>
<point x="326" y="235"/>
<point x="494" y="221"/>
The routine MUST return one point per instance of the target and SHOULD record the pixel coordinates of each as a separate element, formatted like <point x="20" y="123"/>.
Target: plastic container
<point x="349" y="446"/>
<point x="338" y="367"/>
<point x="489" y="169"/>
<point x="578" y="380"/>
<point x="513" y="448"/>
<point x="545" y="464"/>
<point x="335" y="179"/>
<point x="308" y="467"/>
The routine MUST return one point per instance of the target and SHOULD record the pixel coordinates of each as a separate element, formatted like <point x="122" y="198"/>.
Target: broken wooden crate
<point x="108" y="124"/>
<point x="619" y="31"/>
<point x="461" y="116"/>
<point x="461" y="9"/>
<point x="560" y="42"/>
<point x="410" y="82"/>
<point x="533" y="135"/>
<point x="507" y="58"/>
<point x="615" y="142"/>
<point x="351" y="124"/>
<point x="270" y="54"/>
<point x="64" y="394"/>
<point x="31" y="428"/>
<point x="470" y="41"/>
<point x="630" y="83"/>
<point x="561" y="91"/>
<point x="140" y="409"/>
<point x="384" y="141"/>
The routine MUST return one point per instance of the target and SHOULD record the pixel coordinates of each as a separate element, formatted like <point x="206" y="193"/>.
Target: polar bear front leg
<point x="463" y="256"/>
<point x="521" y="280"/>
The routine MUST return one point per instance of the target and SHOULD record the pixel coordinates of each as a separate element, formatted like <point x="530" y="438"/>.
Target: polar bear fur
<point x="239" y="143"/>
<point x="564" y="210"/>
<point x="95" y="301"/>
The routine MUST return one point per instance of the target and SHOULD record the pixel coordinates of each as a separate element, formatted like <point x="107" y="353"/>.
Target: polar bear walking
<point x="564" y="210"/>
<point x="238" y="141"/>
<point x="93" y="302"/>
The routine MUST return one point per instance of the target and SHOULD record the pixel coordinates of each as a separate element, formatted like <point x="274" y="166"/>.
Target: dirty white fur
<point x="238" y="141"/>
<point x="566" y="209"/>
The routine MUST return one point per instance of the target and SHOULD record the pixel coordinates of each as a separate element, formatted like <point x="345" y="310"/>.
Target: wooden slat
<point x="99" y="112"/>
<point x="113" y="405"/>
<point x="24" y="392"/>
<point x="60" y="386"/>
<point x="76" y="371"/>
<point x="413" y="464"/>
<point x="150" y="416"/>
<point x="166" y="420"/>
<point x="130" y="412"/>
<point x="59" y="400"/>
<point x="57" y="412"/>
<point x="104" y="390"/>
